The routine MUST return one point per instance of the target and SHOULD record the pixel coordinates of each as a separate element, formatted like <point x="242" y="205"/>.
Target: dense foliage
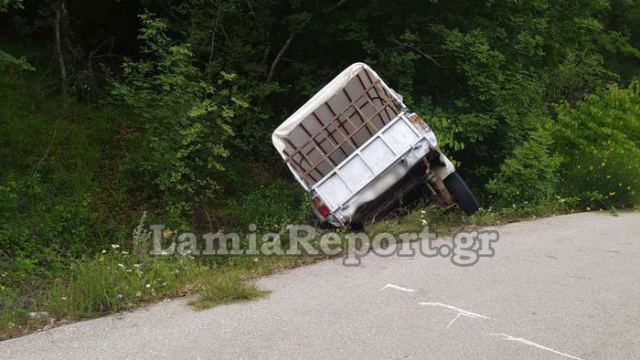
<point x="600" y="142"/>
<point x="112" y="108"/>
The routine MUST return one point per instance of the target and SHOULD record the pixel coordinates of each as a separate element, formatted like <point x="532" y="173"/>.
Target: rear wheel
<point x="461" y="193"/>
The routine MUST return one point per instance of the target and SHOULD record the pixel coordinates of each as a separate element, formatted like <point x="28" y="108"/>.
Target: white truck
<point x="356" y="149"/>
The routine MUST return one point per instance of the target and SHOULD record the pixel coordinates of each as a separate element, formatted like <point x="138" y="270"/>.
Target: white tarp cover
<point x="280" y="134"/>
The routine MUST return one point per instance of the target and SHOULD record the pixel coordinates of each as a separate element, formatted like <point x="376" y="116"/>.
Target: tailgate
<point x="371" y="159"/>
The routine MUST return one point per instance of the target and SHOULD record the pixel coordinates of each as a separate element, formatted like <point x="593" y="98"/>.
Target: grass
<point x="446" y="222"/>
<point x="118" y="281"/>
<point x="111" y="284"/>
<point x="225" y="287"/>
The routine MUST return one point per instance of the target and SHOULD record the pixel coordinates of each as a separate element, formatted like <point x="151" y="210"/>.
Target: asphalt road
<point x="566" y="287"/>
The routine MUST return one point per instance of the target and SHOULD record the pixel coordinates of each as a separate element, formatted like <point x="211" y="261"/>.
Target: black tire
<point x="461" y="193"/>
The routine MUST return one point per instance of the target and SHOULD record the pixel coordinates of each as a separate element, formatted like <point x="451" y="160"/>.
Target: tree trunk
<point x="272" y="70"/>
<point x="57" y="26"/>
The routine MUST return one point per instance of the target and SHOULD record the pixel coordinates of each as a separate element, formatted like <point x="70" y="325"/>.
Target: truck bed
<point x="351" y="142"/>
<point x="328" y="130"/>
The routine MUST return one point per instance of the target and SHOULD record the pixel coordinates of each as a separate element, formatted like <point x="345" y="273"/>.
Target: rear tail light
<point x="322" y="208"/>
<point x="417" y="121"/>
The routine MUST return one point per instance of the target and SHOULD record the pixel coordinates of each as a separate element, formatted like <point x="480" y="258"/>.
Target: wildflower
<point x="125" y="252"/>
<point x="104" y="251"/>
<point x="122" y="266"/>
<point x="588" y="208"/>
<point x="138" y="294"/>
<point x="38" y="315"/>
<point x="148" y="286"/>
<point x="115" y="246"/>
<point x="613" y="193"/>
<point x="63" y="298"/>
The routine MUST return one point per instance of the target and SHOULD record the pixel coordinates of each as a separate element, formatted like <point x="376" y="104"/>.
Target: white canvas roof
<point x="338" y="83"/>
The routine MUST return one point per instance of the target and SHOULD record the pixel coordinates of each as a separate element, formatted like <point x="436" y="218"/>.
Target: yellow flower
<point x="588" y="208"/>
<point x="612" y="193"/>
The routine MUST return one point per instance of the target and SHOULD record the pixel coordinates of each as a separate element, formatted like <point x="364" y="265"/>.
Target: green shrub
<point x="600" y="141"/>
<point x="530" y="174"/>
<point x="269" y="206"/>
<point x="185" y="119"/>
<point x="61" y="193"/>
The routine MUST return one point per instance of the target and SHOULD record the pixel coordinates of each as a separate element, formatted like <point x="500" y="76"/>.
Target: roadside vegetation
<point x="115" y="118"/>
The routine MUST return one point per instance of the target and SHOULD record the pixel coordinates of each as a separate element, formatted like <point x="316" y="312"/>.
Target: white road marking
<point x="397" y="288"/>
<point x="451" y="307"/>
<point x="456" y="318"/>
<point x="531" y="343"/>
